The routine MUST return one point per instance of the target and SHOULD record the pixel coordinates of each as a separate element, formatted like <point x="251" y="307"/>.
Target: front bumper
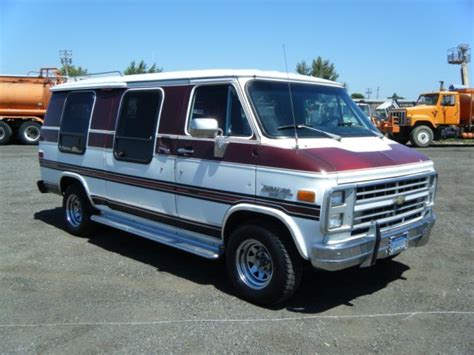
<point x="366" y="250"/>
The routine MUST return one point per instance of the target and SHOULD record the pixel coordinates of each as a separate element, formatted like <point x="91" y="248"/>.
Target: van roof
<point x="183" y="76"/>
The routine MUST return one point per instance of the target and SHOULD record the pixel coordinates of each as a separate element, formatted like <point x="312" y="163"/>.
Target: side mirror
<point x="204" y="127"/>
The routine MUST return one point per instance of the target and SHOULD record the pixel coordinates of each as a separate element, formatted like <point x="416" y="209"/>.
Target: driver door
<point x="208" y="183"/>
<point x="449" y="109"/>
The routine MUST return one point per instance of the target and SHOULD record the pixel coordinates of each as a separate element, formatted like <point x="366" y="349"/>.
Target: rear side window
<point x="75" y="122"/>
<point x="221" y="103"/>
<point x="134" y="139"/>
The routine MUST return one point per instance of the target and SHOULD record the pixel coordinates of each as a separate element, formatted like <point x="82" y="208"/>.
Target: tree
<point x="357" y="95"/>
<point x="319" y="68"/>
<point x="141" y="68"/>
<point x="72" y="71"/>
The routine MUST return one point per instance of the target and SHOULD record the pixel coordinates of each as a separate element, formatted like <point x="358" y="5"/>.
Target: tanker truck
<point x="436" y="115"/>
<point x="23" y="103"/>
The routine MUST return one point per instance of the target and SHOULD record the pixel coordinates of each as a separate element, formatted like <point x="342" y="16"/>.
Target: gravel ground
<point x="115" y="292"/>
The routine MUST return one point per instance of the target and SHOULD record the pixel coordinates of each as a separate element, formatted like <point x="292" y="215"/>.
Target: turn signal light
<point x="306" y="196"/>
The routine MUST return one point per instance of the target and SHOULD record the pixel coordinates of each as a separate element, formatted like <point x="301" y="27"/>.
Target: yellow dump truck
<point x="23" y="103"/>
<point x="437" y="115"/>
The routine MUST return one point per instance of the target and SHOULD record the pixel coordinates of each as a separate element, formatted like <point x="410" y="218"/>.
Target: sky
<point x="398" y="46"/>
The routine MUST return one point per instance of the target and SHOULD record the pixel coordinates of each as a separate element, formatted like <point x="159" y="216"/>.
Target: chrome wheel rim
<point x="73" y="210"/>
<point x="423" y="137"/>
<point x="2" y="133"/>
<point x="254" y="264"/>
<point x="32" y="133"/>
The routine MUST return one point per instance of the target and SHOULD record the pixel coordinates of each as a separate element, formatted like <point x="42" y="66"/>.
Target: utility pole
<point x="368" y="92"/>
<point x="378" y="88"/>
<point x="461" y="55"/>
<point x="65" y="56"/>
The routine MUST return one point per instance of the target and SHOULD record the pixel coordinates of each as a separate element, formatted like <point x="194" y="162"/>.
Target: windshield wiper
<point x="300" y="126"/>
<point x="350" y="124"/>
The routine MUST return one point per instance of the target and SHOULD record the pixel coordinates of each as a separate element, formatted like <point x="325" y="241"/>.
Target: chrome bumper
<point x="366" y="250"/>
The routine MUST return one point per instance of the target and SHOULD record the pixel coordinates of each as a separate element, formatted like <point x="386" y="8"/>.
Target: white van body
<point x="189" y="158"/>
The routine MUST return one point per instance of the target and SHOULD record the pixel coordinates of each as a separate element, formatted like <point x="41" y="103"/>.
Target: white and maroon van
<point x="267" y="169"/>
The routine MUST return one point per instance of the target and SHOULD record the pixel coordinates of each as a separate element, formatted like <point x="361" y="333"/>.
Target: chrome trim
<point x="193" y="243"/>
<point x="351" y="200"/>
<point x="363" y="252"/>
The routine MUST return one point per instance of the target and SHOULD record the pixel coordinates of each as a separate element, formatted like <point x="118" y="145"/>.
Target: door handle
<point x="185" y="151"/>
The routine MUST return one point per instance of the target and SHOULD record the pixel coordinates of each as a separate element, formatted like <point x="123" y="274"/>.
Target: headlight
<point x="337" y="198"/>
<point x="338" y="207"/>
<point x="335" y="220"/>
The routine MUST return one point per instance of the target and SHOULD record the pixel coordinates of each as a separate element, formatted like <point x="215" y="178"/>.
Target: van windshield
<point x="325" y="108"/>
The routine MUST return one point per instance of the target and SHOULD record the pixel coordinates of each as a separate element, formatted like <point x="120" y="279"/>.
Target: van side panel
<point x="143" y="186"/>
<point x="56" y="164"/>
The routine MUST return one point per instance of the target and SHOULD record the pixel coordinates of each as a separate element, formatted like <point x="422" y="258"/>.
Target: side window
<point x="137" y="125"/>
<point x="221" y="103"/>
<point x="448" y="100"/>
<point x="75" y="122"/>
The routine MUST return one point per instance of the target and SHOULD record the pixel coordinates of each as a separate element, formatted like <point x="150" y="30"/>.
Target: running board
<point x="207" y="247"/>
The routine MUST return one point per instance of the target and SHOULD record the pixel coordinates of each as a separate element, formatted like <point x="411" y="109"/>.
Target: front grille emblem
<point x="399" y="200"/>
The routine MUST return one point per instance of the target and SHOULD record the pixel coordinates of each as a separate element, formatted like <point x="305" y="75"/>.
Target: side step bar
<point x="207" y="247"/>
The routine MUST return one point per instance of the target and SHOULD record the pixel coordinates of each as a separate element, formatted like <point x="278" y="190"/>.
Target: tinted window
<point x="136" y="126"/>
<point x="221" y="103"/>
<point x="75" y="122"/>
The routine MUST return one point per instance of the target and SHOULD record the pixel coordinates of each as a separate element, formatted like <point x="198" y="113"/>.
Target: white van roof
<point x="183" y="76"/>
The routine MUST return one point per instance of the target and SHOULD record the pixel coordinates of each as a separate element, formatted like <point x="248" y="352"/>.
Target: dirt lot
<point x="118" y="293"/>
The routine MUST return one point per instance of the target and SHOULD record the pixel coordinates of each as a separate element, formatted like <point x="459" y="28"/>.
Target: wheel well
<point x="239" y="218"/>
<point x="68" y="181"/>
<point x="425" y="123"/>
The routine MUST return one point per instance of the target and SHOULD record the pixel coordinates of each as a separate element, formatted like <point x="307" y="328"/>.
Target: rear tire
<point x="77" y="211"/>
<point x="421" y="136"/>
<point x="29" y="132"/>
<point x="264" y="267"/>
<point x="5" y="133"/>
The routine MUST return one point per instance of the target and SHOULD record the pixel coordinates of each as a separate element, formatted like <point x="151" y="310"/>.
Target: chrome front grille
<point x="390" y="204"/>
<point x="399" y="117"/>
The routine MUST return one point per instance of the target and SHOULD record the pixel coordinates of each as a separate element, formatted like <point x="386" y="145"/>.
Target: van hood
<point x="350" y="154"/>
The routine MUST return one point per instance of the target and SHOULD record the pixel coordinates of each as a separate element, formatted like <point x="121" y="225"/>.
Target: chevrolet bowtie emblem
<point x="399" y="200"/>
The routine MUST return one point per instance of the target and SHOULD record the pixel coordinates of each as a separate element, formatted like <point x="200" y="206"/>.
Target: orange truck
<point x="23" y="103"/>
<point x="436" y="115"/>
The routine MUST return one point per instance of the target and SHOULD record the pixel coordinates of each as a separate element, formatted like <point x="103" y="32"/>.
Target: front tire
<point x="264" y="267"/>
<point x="421" y="136"/>
<point x="400" y="138"/>
<point x="77" y="211"/>
<point x="29" y="132"/>
<point x="5" y="133"/>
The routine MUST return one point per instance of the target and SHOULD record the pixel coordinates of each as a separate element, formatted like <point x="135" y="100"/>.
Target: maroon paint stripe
<point x="106" y="109"/>
<point x="49" y="135"/>
<point x="310" y="160"/>
<point x="101" y="140"/>
<point x="202" y="228"/>
<point x="173" y="114"/>
<point x="96" y="140"/>
<point x="295" y="208"/>
<point x="241" y="153"/>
